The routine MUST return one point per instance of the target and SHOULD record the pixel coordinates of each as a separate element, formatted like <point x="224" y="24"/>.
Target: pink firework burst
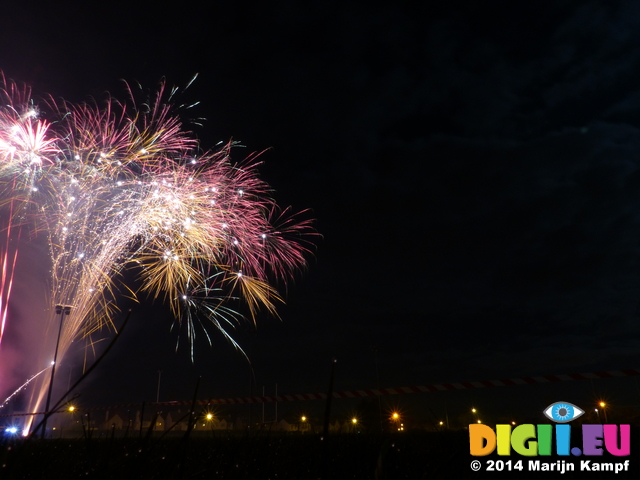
<point x="122" y="185"/>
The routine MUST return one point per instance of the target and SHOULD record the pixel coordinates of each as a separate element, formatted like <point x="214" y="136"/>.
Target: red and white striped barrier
<point x="386" y="391"/>
<point x="421" y="389"/>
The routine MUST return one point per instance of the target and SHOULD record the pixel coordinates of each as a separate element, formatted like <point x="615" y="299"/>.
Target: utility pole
<point x="61" y="310"/>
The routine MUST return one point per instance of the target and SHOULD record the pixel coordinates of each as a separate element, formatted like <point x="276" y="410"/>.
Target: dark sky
<point x="473" y="168"/>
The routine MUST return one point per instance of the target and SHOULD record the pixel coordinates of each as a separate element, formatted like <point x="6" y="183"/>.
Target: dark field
<point x="418" y="455"/>
<point x="238" y="457"/>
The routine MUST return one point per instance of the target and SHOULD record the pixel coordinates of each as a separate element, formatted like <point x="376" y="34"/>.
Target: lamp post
<point x="209" y="418"/>
<point x="61" y="310"/>
<point x="475" y="413"/>
<point x="158" y="392"/>
<point x="395" y="418"/>
<point x="375" y="359"/>
<point x="604" y="409"/>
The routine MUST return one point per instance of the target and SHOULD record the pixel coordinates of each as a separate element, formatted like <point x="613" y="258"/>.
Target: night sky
<point x="474" y="169"/>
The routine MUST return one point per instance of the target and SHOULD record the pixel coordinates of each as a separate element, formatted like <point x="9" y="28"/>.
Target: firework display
<point x="122" y="187"/>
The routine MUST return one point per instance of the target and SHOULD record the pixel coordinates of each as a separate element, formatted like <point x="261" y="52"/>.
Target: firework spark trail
<point x="23" y="386"/>
<point x="8" y="259"/>
<point x="120" y="187"/>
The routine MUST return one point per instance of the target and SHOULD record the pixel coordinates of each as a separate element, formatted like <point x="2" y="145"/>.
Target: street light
<point x="395" y="418"/>
<point x="61" y="310"/>
<point x="604" y="409"/>
<point x="475" y="413"/>
<point x="303" y="425"/>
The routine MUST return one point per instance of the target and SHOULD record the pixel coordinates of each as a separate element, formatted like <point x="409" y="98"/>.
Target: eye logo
<point x="562" y="412"/>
